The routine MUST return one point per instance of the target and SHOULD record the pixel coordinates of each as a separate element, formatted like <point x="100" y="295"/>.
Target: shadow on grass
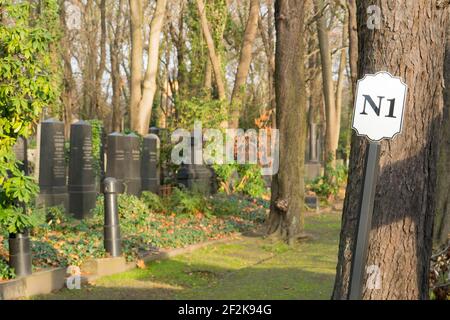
<point x="201" y="281"/>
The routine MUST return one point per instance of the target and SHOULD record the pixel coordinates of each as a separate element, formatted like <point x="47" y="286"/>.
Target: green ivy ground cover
<point x="147" y="223"/>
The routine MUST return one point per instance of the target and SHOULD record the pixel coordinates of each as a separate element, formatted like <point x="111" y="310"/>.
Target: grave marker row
<point x="136" y="169"/>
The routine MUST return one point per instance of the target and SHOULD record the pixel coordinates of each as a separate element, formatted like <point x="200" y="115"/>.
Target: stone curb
<point x="41" y="282"/>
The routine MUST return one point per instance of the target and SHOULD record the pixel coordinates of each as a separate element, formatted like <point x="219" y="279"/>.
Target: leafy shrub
<point x="210" y="112"/>
<point x="153" y="201"/>
<point x="328" y="185"/>
<point x="15" y="221"/>
<point x="6" y="272"/>
<point x="28" y="83"/>
<point x="240" y="178"/>
<point x="97" y="131"/>
<point x="224" y="205"/>
<point x="188" y="203"/>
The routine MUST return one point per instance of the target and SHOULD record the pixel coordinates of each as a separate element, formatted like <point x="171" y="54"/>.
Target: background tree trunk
<point x="353" y="44"/>
<point x="149" y="84"/>
<point x="245" y="60"/>
<point x="116" y="79"/>
<point x="215" y="60"/>
<point x="136" y="16"/>
<point x="442" y="219"/>
<point x="98" y="97"/>
<point x="331" y="113"/>
<point x="68" y="94"/>
<point x="400" y="239"/>
<point x="340" y="81"/>
<point x="287" y="200"/>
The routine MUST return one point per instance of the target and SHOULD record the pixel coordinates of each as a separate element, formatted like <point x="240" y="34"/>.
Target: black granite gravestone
<point x="124" y="162"/>
<point x="132" y="180"/>
<point x="149" y="164"/>
<point x="197" y="177"/>
<point x="52" y="165"/>
<point x="82" y="193"/>
<point x="115" y="159"/>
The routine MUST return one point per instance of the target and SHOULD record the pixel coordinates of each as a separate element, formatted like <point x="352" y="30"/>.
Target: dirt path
<point x="247" y="268"/>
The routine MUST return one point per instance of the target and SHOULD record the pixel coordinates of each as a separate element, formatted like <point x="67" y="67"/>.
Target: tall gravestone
<point x="82" y="191"/>
<point x="149" y="163"/>
<point x="52" y="165"/>
<point x="124" y="162"/>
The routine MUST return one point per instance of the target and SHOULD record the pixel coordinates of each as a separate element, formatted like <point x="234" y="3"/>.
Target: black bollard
<point x="20" y="253"/>
<point x="112" y="227"/>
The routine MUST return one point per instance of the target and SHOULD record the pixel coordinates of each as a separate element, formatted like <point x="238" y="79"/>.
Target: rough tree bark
<point x="215" y="60"/>
<point x="245" y="60"/>
<point x="408" y="45"/>
<point x="287" y="202"/>
<point x="442" y="219"/>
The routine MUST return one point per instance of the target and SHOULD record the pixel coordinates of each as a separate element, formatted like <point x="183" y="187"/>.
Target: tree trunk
<point x="244" y="63"/>
<point x="136" y="28"/>
<point x="90" y="62"/>
<point x="287" y="202"/>
<point x="340" y="81"/>
<point x="116" y="78"/>
<point x="208" y="78"/>
<point x="68" y="94"/>
<point x="215" y="60"/>
<point x="149" y="84"/>
<point x="352" y="52"/>
<point x="401" y="234"/>
<point x="268" y="42"/>
<point x="442" y="220"/>
<point x="315" y="99"/>
<point x="331" y="138"/>
<point x="97" y="103"/>
<point x="353" y="44"/>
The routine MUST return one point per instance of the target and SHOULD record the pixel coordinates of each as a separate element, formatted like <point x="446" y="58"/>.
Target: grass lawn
<point x="246" y="268"/>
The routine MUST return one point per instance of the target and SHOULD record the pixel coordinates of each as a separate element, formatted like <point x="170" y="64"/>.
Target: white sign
<point x="379" y="106"/>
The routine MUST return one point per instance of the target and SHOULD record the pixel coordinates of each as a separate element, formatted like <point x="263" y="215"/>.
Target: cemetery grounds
<point x="247" y="266"/>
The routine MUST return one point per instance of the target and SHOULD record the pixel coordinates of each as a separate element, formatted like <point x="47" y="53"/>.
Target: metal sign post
<point x="365" y="220"/>
<point x="378" y="115"/>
